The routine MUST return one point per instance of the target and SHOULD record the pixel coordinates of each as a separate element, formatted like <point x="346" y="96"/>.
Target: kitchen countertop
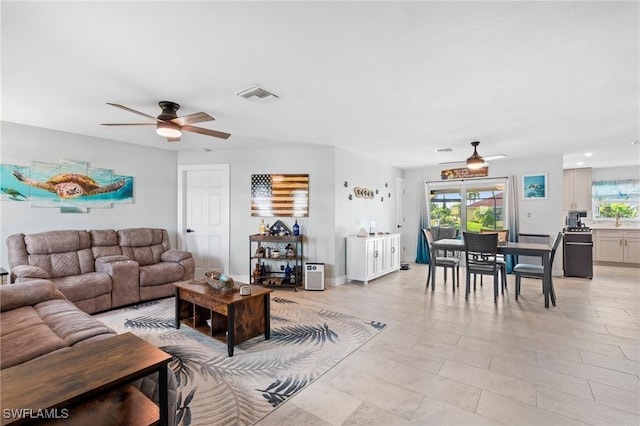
<point x="611" y="225"/>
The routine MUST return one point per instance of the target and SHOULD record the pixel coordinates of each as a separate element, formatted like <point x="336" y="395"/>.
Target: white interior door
<point x="399" y="214"/>
<point x="203" y="218"/>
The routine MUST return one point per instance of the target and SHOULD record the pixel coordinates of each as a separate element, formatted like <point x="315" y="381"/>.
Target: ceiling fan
<point x="169" y="125"/>
<point x="476" y="161"/>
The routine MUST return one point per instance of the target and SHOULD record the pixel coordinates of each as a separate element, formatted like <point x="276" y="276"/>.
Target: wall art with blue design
<point x="71" y="186"/>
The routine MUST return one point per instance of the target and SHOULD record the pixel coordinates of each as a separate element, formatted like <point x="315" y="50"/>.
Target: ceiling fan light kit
<point x="168" y="130"/>
<point x="475" y="161"/>
<point x="169" y="125"/>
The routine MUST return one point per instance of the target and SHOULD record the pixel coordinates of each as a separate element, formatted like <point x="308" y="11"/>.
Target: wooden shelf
<point x="276" y="278"/>
<point x="123" y="406"/>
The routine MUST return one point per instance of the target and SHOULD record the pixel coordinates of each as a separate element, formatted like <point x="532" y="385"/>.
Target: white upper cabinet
<point x="577" y="189"/>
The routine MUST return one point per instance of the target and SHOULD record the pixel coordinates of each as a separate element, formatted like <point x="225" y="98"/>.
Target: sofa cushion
<point x="160" y="273"/>
<point x="144" y="245"/>
<point x="85" y="286"/>
<point x="37" y="320"/>
<point x="57" y="241"/>
<point x="69" y="323"/>
<point x="27" y="294"/>
<point x="28" y="343"/>
<point x="61" y="253"/>
<point x="19" y="319"/>
<point x="104" y="242"/>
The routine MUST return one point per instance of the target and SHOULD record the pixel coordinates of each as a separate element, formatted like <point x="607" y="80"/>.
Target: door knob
<point x="191" y="230"/>
<point x="399" y="226"/>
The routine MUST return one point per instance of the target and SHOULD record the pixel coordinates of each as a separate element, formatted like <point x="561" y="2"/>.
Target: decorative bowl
<point x="219" y="282"/>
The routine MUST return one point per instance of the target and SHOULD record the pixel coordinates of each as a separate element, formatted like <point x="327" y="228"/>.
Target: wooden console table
<point x="88" y="382"/>
<point x="232" y="318"/>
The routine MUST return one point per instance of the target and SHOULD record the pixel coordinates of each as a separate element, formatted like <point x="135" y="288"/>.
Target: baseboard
<point x="619" y="264"/>
<point x="335" y="282"/>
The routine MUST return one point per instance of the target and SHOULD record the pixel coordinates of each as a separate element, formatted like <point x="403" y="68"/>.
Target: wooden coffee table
<point x="233" y="318"/>
<point x="88" y="384"/>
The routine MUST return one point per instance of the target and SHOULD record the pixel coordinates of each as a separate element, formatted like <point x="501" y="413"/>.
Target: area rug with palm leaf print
<point x="215" y="389"/>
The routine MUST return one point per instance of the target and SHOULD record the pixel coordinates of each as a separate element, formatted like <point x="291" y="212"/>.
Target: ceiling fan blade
<point x="487" y="158"/>
<point x="135" y="112"/>
<point x="494" y="157"/>
<point x="173" y="139"/>
<point x="207" y="132"/>
<point x="128" y="124"/>
<point x="197" y="117"/>
<point x="453" y="162"/>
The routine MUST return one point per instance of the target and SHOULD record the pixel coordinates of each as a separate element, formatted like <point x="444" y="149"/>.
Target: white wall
<point x="331" y="215"/>
<point x="153" y="170"/>
<point x="615" y="173"/>
<point x="353" y="215"/>
<point x="316" y="161"/>
<point x="546" y="216"/>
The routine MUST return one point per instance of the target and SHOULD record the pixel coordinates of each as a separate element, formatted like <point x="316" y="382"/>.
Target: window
<point x="616" y="196"/>
<point x="468" y="205"/>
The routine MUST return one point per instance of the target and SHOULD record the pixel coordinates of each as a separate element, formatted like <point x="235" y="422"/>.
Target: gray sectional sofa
<point x="99" y="270"/>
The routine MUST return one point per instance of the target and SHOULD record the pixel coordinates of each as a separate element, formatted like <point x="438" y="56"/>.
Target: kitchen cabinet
<point x="372" y="257"/>
<point x="617" y="245"/>
<point x="577" y="189"/>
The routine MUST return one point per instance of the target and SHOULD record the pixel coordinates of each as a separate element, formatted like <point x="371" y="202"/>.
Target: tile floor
<point x="442" y="360"/>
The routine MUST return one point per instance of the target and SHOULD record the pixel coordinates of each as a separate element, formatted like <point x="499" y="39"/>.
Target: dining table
<point x="513" y="248"/>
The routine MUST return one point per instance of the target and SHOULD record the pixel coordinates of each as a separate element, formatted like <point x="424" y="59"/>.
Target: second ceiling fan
<point x="476" y="161"/>
<point x="169" y="125"/>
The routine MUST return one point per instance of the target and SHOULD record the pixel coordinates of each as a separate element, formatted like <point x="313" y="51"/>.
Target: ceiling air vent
<point x="256" y="93"/>
<point x="444" y="150"/>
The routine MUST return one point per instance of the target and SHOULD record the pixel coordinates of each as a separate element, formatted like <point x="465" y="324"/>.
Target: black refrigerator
<point x="578" y="254"/>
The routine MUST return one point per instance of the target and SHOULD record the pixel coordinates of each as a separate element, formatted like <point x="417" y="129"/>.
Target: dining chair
<point x="480" y="255"/>
<point x="445" y="232"/>
<point x="445" y="262"/>
<point x="537" y="271"/>
<point x="532" y="238"/>
<point x="503" y="238"/>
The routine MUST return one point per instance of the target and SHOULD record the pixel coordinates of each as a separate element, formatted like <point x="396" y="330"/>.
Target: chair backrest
<point x="556" y="243"/>
<point x="429" y="236"/>
<point x="503" y="234"/>
<point x="480" y="251"/>
<point x="532" y="238"/>
<point x="446" y="233"/>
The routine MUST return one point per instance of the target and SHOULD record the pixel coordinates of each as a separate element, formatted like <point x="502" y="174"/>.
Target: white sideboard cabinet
<point x="373" y="256"/>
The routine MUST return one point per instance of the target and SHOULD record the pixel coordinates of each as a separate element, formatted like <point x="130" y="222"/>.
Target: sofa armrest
<point x="28" y="293"/>
<point x="175" y="255"/>
<point x="22" y="273"/>
<point x="124" y="273"/>
<point x="100" y="261"/>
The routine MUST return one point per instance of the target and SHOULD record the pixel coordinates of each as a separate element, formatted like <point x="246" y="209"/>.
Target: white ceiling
<point x="392" y="81"/>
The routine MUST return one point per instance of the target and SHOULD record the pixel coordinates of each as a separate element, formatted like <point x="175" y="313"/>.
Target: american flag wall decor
<point x="280" y="195"/>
